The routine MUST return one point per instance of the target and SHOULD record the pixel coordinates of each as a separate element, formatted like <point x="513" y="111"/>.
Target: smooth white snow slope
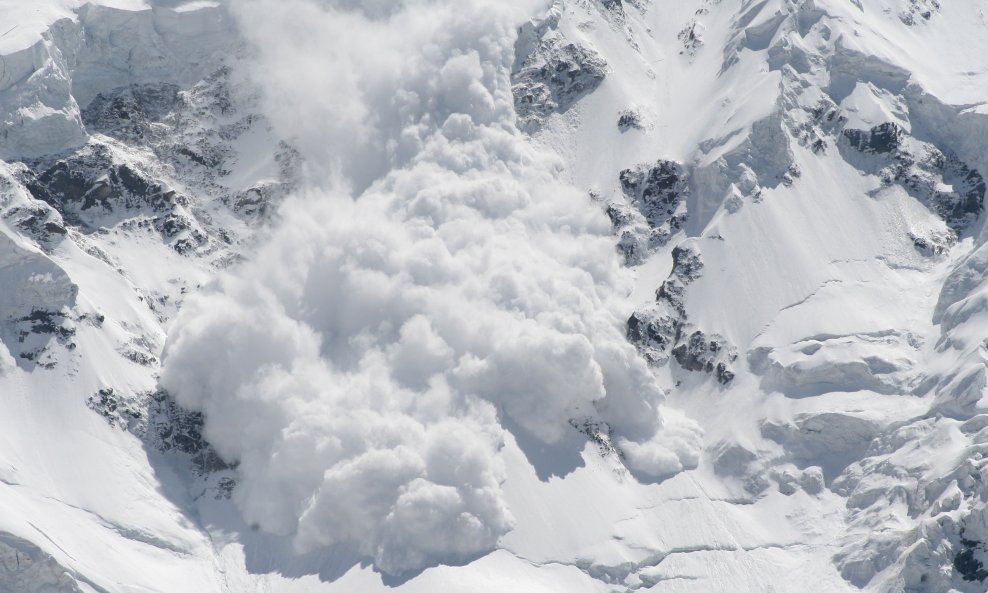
<point x="420" y="296"/>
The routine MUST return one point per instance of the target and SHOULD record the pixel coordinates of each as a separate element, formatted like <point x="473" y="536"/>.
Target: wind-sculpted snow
<point x="363" y="366"/>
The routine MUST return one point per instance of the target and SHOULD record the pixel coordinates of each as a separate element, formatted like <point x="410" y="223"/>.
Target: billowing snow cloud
<point x="436" y="277"/>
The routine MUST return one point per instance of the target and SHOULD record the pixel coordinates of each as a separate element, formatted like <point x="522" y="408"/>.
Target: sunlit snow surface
<point x="429" y="388"/>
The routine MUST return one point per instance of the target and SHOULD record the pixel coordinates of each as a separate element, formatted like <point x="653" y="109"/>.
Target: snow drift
<point x="435" y="282"/>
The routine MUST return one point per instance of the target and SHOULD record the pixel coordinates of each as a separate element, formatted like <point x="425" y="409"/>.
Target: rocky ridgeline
<point x="660" y="329"/>
<point x="113" y="180"/>
<point x="193" y="132"/>
<point x="691" y="36"/>
<point x="934" y="176"/>
<point x="656" y="328"/>
<point x="148" y="141"/>
<point x="708" y="354"/>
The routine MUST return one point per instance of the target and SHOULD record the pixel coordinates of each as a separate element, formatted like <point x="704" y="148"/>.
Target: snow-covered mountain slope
<point x="595" y="295"/>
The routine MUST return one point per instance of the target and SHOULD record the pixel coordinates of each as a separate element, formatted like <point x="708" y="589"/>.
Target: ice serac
<point x="98" y="48"/>
<point x="39" y="113"/>
<point x="26" y="568"/>
<point x="35" y="303"/>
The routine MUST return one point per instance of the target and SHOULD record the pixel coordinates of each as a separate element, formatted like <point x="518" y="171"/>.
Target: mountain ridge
<point x="769" y="214"/>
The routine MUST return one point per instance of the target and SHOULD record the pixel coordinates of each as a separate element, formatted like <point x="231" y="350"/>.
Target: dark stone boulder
<point x="882" y="139"/>
<point x="630" y="119"/>
<point x="707" y="354"/>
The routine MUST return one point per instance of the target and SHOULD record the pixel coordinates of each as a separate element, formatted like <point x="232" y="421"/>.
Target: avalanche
<point x="582" y="295"/>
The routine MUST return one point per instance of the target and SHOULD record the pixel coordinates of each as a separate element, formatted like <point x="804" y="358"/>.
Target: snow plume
<point x="436" y="277"/>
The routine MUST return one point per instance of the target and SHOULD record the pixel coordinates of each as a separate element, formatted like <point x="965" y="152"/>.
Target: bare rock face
<point x="97" y="187"/>
<point x="551" y="73"/>
<point x="46" y="84"/>
<point x="700" y="352"/>
<point x="661" y="329"/>
<point x="652" y="210"/>
<point x="129" y="112"/>
<point x="656" y="328"/>
<point x="936" y="177"/>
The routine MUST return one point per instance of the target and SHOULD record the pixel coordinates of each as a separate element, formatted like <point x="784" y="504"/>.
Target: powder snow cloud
<point x="435" y="276"/>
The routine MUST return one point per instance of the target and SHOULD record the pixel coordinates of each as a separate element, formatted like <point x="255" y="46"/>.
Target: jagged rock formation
<point x="631" y="119"/>
<point x="948" y="186"/>
<point x="655" y="209"/>
<point x="700" y="352"/>
<point x="551" y="73"/>
<point x="661" y="329"/>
